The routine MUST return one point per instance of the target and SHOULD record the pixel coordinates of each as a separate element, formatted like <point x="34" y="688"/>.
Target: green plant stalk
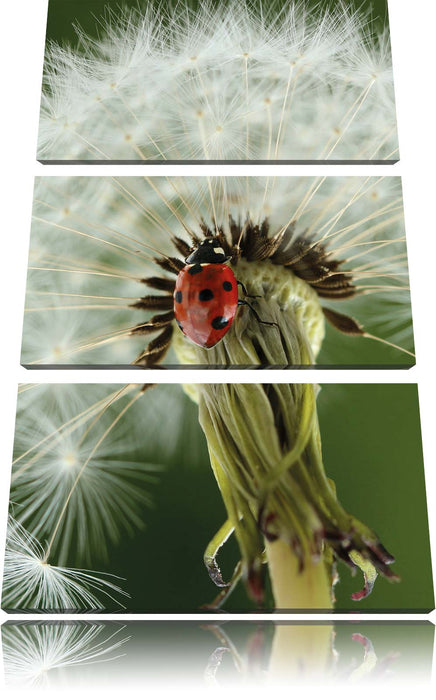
<point x="265" y="451"/>
<point x="308" y="590"/>
<point x="298" y="581"/>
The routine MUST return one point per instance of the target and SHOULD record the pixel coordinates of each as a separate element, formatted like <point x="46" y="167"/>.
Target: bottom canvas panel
<point x="80" y="654"/>
<point x="217" y="497"/>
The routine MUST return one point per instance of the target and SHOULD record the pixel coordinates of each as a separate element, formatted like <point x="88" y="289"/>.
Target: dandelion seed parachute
<point x="270" y="82"/>
<point x="30" y="583"/>
<point x="105" y="252"/>
<point x="80" y="445"/>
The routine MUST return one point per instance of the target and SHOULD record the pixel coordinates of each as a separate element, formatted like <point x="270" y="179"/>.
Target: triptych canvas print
<point x="230" y="497"/>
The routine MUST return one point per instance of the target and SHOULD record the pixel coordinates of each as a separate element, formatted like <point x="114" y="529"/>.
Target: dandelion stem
<point x="306" y="590"/>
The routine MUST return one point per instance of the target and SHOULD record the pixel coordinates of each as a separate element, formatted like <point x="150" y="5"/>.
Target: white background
<point x="413" y="33"/>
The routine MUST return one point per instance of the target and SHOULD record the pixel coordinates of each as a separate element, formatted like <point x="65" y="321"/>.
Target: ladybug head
<point x="209" y="251"/>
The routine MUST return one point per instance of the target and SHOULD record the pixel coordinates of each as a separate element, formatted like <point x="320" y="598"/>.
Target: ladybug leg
<point x="244" y="290"/>
<point x="242" y="302"/>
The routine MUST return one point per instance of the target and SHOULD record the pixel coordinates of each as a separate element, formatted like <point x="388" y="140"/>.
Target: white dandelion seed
<point x="78" y="477"/>
<point x="31" y="583"/>
<point x="267" y="83"/>
<point x="34" y="652"/>
<point x="91" y="261"/>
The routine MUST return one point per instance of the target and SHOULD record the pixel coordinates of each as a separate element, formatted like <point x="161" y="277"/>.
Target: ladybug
<point x="206" y="295"/>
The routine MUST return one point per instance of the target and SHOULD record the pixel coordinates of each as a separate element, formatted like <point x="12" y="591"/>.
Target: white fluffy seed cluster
<point x="236" y="80"/>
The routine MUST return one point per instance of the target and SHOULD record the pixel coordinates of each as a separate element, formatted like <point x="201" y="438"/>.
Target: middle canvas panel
<point x="218" y="272"/>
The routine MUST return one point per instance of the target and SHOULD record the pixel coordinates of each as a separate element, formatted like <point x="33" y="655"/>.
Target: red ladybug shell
<point x="205" y="302"/>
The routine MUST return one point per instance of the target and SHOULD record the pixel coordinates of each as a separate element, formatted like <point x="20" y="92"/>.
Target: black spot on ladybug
<point x="195" y="269"/>
<point x="227" y="286"/>
<point x="205" y="295"/>
<point x="178" y="297"/>
<point x="219" y="322"/>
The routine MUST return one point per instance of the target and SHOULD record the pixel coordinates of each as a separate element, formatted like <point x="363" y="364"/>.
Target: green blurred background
<point x="62" y="14"/>
<point x="372" y="450"/>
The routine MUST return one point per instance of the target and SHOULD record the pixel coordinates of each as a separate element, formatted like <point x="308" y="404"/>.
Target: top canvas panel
<point x="293" y="81"/>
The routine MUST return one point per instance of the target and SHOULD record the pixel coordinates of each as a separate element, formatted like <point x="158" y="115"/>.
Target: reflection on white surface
<point x="33" y="652"/>
<point x="76" y="653"/>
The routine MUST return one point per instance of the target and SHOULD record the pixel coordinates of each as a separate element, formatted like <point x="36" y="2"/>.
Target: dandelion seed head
<point x="134" y="92"/>
<point x="88" y="266"/>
